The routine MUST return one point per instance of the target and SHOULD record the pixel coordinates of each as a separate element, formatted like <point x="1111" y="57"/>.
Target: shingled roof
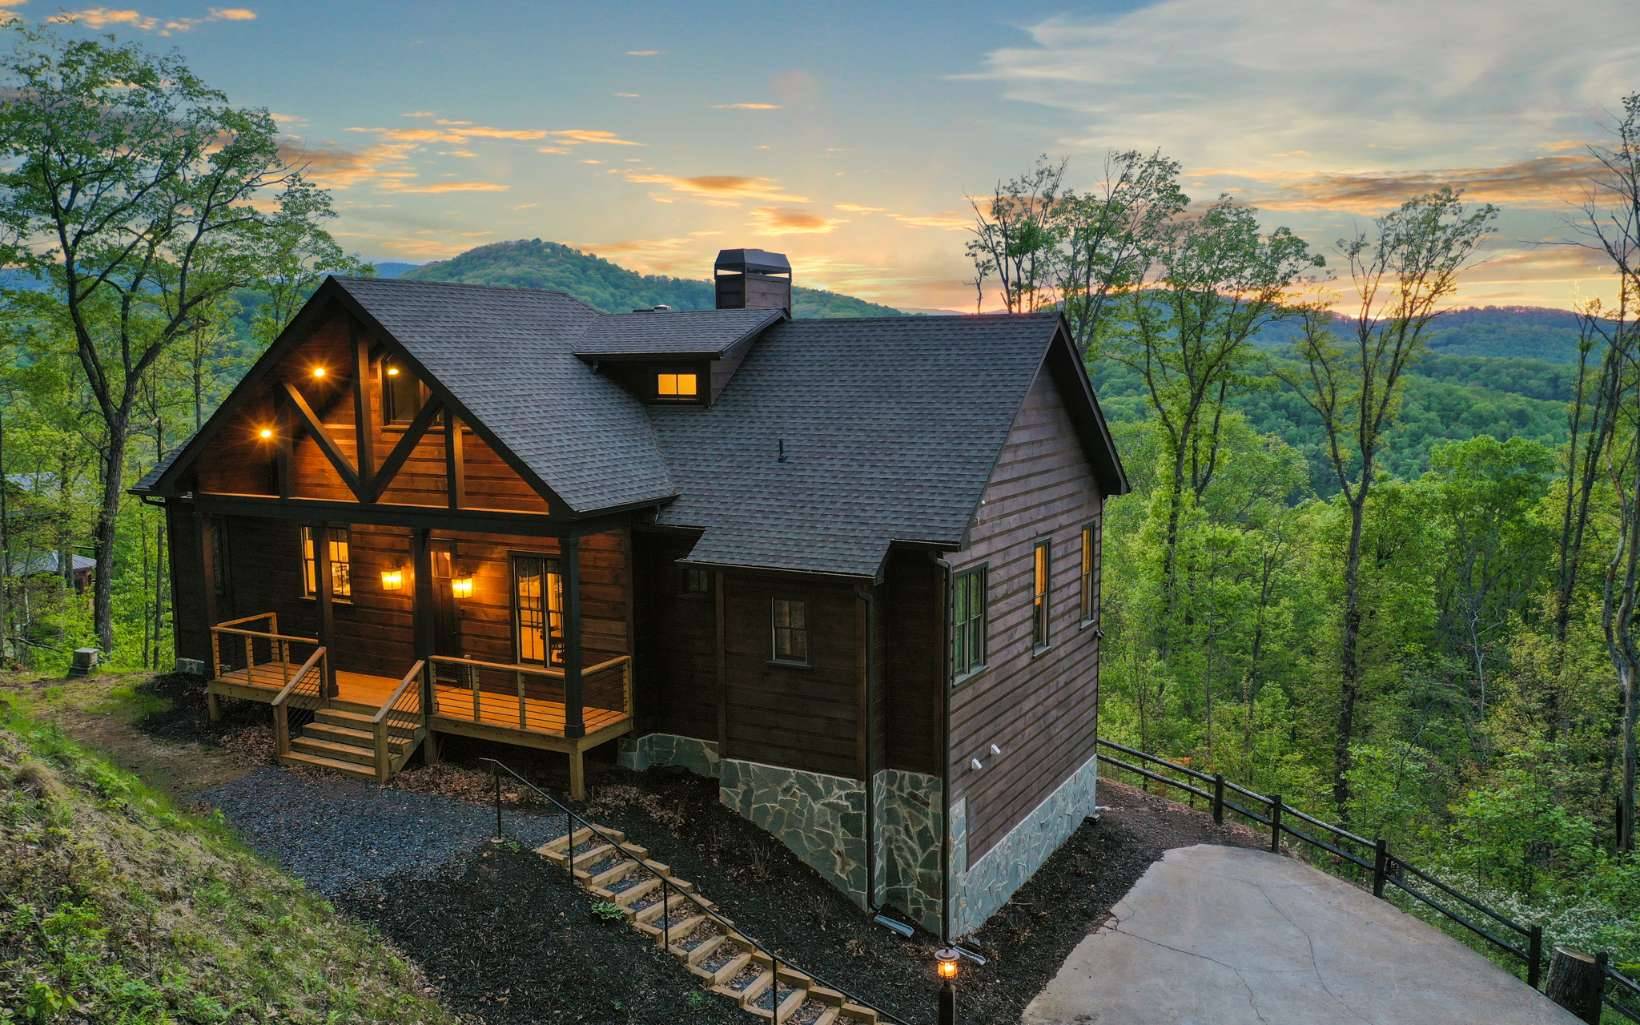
<point x="835" y="438"/>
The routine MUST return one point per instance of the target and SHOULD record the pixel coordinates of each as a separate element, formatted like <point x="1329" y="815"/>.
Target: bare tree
<point x="1400" y="276"/>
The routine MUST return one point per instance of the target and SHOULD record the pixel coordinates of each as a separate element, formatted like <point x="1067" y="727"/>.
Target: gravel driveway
<point x="336" y="833"/>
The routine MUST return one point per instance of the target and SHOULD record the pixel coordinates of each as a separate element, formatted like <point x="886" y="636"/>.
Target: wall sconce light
<point x="392" y="371"/>
<point x="462" y="586"/>
<point x="392" y="579"/>
<point x="319" y="373"/>
<point x="266" y="434"/>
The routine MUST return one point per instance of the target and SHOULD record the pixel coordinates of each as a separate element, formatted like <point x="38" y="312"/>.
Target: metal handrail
<point x="1385" y="867"/>
<point x="575" y="821"/>
<point x="1626" y="1001"/>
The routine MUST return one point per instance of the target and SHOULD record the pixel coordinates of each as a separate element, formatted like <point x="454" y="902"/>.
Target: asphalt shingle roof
<point x="704" y="333"/>
<point x="891" y="427"/>
<point x="506" y="354"/>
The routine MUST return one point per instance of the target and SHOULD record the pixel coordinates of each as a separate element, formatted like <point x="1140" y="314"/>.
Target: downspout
<point x="944" y="641"/>
<point x="868" y="599"/>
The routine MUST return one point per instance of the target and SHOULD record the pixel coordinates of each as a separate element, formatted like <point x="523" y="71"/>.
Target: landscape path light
<point x="947" y="959"/>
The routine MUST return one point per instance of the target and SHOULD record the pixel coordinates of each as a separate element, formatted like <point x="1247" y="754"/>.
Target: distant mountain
<point x="394" y="269"/>
<point x="1515" y="332"/>
<point x="533" y="263"/>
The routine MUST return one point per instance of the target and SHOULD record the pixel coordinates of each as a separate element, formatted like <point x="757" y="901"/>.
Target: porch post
<point x="421" y="617"/>
<point x="574" y="723"/>
<point x="322" y="594"/>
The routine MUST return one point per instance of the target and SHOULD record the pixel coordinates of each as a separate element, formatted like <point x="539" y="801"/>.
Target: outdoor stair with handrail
<point x="363" y="741"/>
<point x="673" y="914"/>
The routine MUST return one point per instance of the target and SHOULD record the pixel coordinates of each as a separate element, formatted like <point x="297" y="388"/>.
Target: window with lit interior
<point x="341" y="570"/>
<point x="681" y="386"/>
<point x="538" y="610"/>
<point x="1039" y="595"/>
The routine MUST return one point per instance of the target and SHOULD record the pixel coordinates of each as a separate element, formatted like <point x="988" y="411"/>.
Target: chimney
<point x="751" y="279"/>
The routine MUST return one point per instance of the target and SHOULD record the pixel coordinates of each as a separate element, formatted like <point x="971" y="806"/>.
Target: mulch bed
<point x="503" y="935"/>
<point x="785" y="904"/>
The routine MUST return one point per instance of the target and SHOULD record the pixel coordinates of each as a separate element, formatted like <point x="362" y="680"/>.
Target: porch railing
<point x="526" y="697"/>
<point x="300" y="698"/>
<point x="402" y="711"/>
<point x="237" y="638"/>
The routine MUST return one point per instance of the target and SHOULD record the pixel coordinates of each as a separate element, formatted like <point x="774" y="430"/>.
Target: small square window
<point x="680" y="386"/>
<point x="696" y="580"/>
<point x="790" y="628"/>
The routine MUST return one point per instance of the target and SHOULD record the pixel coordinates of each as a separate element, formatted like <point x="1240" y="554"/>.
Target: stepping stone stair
<point x="340" y="738"/>
<point x="725" y="961"/>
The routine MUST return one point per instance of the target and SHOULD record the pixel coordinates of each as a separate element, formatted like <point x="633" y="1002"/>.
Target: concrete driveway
<point x="1227" y="936"/>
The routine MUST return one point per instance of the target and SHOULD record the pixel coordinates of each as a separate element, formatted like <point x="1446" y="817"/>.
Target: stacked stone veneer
<point x="978" y="890"/>
<point x="652" y="749"/>
<point x="822" y="819"/>
<point x="907" y="832"/>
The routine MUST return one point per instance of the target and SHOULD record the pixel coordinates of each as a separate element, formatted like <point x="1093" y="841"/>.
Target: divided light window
<point x="538" y="610"/>
<point x="790" y="629"/>
<point x="401" y="393"/>
<point x="1090" y="600"/>
<point x="677" y="386"/>
<point x="1039" y="595"/>
<point x="968" y="623"/>
<point x="696" y="580"/>
<point x="341" y="570"/>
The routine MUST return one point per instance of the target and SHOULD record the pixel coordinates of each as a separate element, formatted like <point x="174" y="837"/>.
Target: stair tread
<point x="320" y="761"/>
<point x="349" y="732"/>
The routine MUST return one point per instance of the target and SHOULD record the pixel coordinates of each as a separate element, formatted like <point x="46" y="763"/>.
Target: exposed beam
<point x="363" y="416"/>
<point x="327" y="444"/>
<point x="395" y="459"/>
<point x="455" y="461"/>
<point x="306" y="510"/>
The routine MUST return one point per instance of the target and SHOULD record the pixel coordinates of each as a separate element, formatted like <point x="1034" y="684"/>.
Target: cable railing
<point x="1382" y="866"/>
<point x="575" y="825"/>
<point x="1621" y="994"/>
<point x="401" y="710"/>
<point x="295" y="704"/>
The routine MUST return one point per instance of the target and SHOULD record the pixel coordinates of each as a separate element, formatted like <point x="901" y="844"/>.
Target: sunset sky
<point x="848" y="136"/>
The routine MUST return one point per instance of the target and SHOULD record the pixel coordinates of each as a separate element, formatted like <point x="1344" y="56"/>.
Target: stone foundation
<point x="656" y="749"/>
<point x="907" y="833"/>
<point x="819" y="818"/>
<point x="978" y="890"/>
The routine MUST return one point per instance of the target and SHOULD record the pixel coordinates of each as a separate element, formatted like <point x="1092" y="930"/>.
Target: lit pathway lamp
<point x="947" y="960"/>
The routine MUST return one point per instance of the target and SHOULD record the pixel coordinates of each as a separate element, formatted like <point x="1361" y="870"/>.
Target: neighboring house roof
<point x="890" y="426"/>
<point x="47" y="562"/>
<point x="701" y="334"/>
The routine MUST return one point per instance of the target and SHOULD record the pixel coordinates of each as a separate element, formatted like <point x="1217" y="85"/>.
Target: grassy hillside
<point x="117" y="907"/>
<point x="536" y="264"/>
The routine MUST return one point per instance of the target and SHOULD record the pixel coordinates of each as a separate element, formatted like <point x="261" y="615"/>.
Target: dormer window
<point x="673" y="386"/>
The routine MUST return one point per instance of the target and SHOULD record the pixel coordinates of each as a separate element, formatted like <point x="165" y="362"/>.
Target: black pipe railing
<point x="1621" y="994"/>
<point x="1384" y="867"/>
<point x="575" y="823"/>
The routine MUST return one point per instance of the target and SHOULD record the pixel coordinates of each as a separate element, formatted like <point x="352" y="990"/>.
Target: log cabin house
<point x="849" y="568"/>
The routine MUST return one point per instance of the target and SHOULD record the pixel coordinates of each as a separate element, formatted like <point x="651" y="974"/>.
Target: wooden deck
<point x="497" y="714"/>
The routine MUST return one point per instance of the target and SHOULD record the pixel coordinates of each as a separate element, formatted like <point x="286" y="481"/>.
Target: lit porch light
<point x="392" y="579"/>
<point x="319" y="373"/>
<point x="392" y="371"/>
<point x="462" y="587"/>
<point x="266" y="433"/>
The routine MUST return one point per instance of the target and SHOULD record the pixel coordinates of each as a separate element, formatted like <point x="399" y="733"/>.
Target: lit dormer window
<point x="676" y="386"/>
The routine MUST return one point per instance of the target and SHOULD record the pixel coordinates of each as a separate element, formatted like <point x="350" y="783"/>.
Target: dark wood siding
<point x="677" y="643"/>
<point x="189" y="580"/>
<point x="1039" y="709"/>
<point x="801" y="717"/>
<point x="909" y="663"/>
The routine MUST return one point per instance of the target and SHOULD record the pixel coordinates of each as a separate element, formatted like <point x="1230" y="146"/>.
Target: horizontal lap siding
<point x="375" y="632"/>
<point x="677" y="643"/>
<point x="1039" y="710"/>
<point x="188" y="583"/>
<point x="802" y="718"/>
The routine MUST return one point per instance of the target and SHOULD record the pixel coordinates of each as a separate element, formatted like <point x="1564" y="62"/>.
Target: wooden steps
<point x="342" y="738"/>
<point x="669" y="911"/>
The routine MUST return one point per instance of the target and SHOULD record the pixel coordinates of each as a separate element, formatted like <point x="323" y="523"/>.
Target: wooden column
<point x="327" y="612"/>
<point x="363" y="417"/>
<point x="207" y="582"/>
<point x="574" y="721"/>
<point x="421" y="561"/>
<point x="455" y="461"/>
<point x="720" y="654"/>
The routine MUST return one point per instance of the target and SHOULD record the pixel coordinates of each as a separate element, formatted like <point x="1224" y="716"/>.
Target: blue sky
<point x="849" y="135"/>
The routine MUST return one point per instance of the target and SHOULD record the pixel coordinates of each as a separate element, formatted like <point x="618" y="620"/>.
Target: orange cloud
<point x="725" y="189"/>
<point x="1543" y="182"/>
<point x="436" y="188"/>
<point x="772" y="220"/>
<point x="588" y="137"/>
<point x="126" y="17"/>
<point x="643" y="53"/>
<point x="745" y="106"/>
